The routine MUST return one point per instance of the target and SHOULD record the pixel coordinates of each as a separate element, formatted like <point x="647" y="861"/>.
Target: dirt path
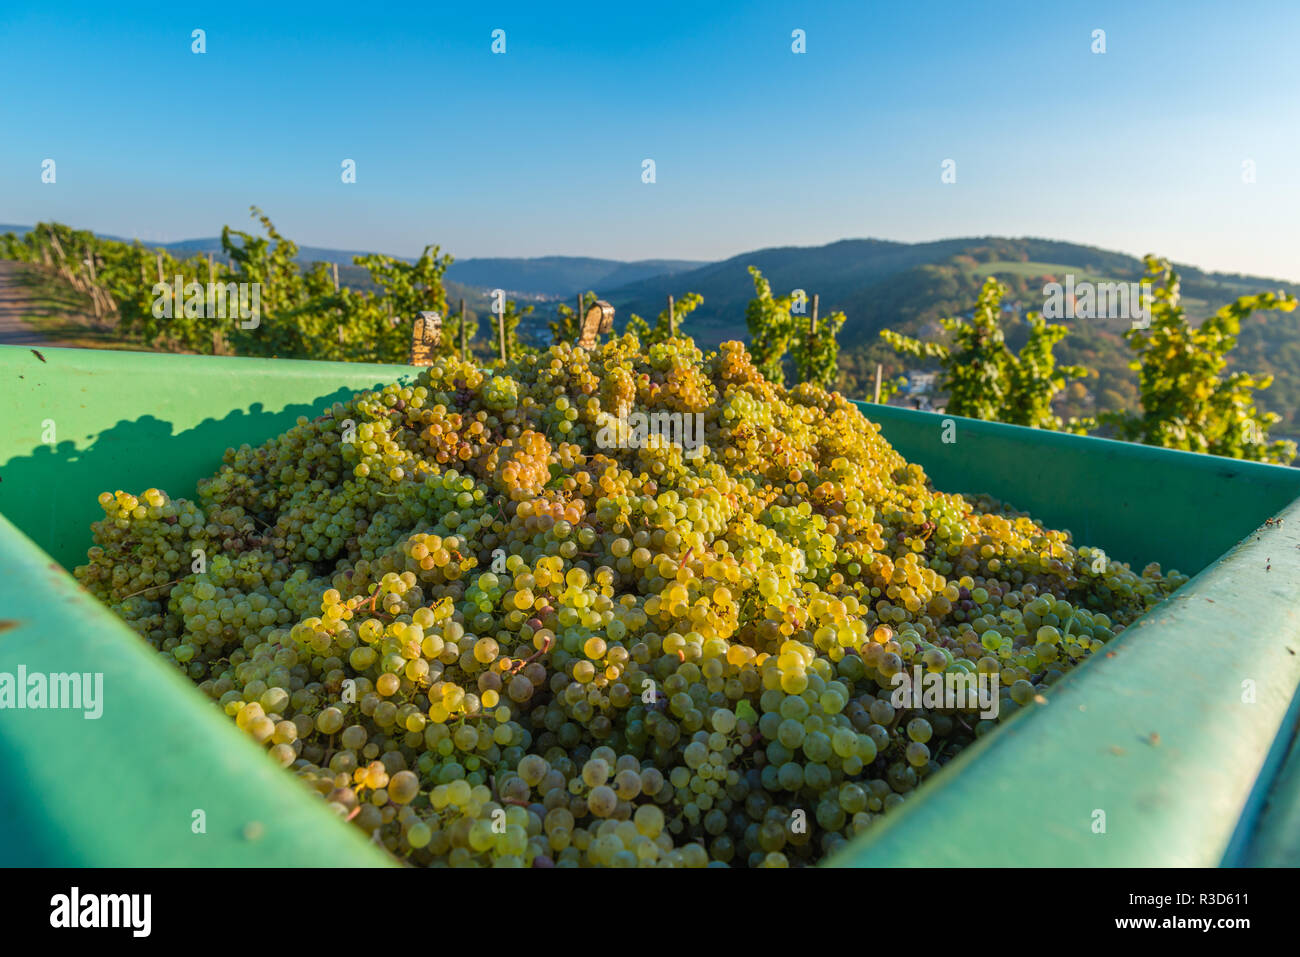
<point x="16" y="302"/>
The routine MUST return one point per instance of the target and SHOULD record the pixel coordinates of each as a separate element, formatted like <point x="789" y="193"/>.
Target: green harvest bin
<point x="1215" y="787"/>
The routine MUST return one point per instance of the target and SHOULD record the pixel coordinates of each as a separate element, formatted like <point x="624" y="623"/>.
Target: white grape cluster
<point x="488" y="640"/>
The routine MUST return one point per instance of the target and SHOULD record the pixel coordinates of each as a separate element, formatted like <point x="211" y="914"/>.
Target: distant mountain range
<point x="879" y="283"/>
<point x="909" y="286"/>
<point x="561" y="277"/>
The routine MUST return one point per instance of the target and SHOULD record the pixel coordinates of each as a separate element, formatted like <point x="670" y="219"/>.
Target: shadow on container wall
<point x="51" y="492"/>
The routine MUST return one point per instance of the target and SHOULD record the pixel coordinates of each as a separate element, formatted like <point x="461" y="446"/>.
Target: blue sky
<point x="538" y="151"/>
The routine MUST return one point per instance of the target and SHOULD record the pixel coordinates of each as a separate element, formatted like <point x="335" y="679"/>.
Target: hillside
<point x="212" y="244"/>
<point x="543" y="278"/>
<point x="476" y="300"/>
<point x="908" y="287"/>
<point x="877" y="284"/>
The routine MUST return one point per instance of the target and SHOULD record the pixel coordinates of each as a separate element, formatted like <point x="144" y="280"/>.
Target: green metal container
<point x="1171" y="749"/>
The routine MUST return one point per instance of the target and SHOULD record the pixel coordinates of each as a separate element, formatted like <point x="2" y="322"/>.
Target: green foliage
<point x="568" y="324"/>
<point x="412" y="288"/>
<point x="293" y="321"/>
<point x="889" y="388"/>
<point x="984" y="379"/>
<point x="770" y="326"/>
<point x="638" y="327"/>
<point x="303" y="316"/>
<point x="300" y="313"/>
<point x="816" y="352"/>
<point x="128" y="285"/>
<point x="514" y="345"/>
<point x="1270" y="344"/>
<point x="1035" y="379"/>
<point x="662" y="330"/>
<point x="908" y="289"/>
<point x="1188" y="402"/>
<point x="775" y="329"/>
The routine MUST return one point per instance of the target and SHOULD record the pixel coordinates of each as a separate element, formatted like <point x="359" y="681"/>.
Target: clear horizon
<point x="538" y="151"/>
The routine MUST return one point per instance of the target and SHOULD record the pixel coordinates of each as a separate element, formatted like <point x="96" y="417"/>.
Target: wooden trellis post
<point x="462" y="329"/>
<point x="598" y="319"/>
<point x="426" y="334"/>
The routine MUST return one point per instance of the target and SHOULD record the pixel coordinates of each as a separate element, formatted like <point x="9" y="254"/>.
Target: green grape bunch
<point x="487" y="639"/>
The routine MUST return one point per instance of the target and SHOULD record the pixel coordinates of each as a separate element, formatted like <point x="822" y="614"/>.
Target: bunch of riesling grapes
<point x="488" y="640"/>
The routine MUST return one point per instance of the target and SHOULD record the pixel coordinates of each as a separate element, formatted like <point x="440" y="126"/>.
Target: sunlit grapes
<point x="619" y="608"/>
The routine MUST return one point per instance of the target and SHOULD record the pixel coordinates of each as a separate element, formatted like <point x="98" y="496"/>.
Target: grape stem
<point x="533" y="657"/>
<point x="151" y="588"/>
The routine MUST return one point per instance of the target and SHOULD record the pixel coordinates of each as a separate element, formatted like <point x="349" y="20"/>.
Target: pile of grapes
<point x="486" y="639"/>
